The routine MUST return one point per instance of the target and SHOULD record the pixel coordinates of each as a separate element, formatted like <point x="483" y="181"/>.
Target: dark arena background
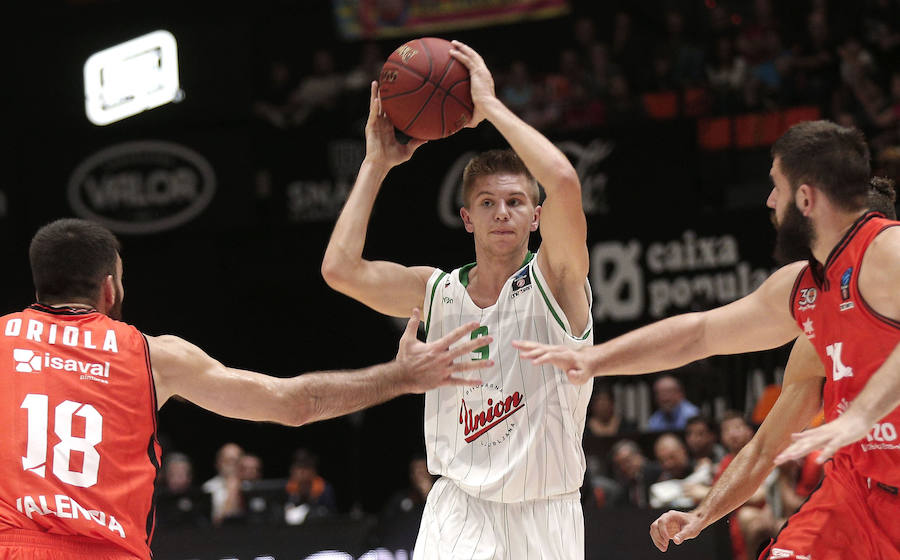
<point x="224" y="196"/>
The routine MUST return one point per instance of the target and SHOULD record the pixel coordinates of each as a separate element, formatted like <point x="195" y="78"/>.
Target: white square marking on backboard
<point x="131" y="77"/>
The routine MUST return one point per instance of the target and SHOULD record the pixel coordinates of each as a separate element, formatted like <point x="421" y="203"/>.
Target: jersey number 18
<point x="35" y="460"/>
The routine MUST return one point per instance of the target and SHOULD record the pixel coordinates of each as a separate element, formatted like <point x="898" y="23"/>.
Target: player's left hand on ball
<point x="567" y="359"/>
<point x="677" y="526"/>
<point x="427" y="365"/>
<point x="830" y="437"/>
<point x="480" y="79"/>
<point x="381" y="144"/>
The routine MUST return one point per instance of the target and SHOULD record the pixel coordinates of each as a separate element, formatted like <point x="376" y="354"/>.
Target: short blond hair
<point x="494" y="162"/>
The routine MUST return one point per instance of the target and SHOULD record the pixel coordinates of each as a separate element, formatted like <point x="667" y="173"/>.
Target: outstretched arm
<point x="180" y="368"/>
<point x="881" y="395"/>
<point x="563" y="255"/>
<point x="387" y="287"/>
<point x="758" y="321"/>
<point x="798" y="402"/>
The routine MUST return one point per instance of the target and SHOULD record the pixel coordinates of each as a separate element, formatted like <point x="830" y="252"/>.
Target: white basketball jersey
<point x="517" y="435"/>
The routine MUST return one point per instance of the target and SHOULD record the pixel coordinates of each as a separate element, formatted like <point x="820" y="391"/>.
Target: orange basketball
<point x="425" y="91"/>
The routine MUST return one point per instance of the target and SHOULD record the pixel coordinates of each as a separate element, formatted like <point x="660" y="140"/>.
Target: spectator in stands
<point x="686" y="60"/>
<point x="814" y="62"/>
<point x="249" y="468"/>
<point x="753" y="522"/>
<point x="622" y="107"/>
<point x="308" y="494"/>
<point x="700" y="434"/>
<point x="674" y="408"/>
<point x="317" y="92"/>
<point x="369" y="68"/>
<point x="225" y="487"/>
<point x="584" y="33"/>
<point x="179" y="503"/>
<point x="272" y="102"/>
<point x="881" y="27"/>
<point x="600" y="70"/>
<point x="662" y="72"/>
<point x="411" y="498"/>
<point x="628" y="51"/>
<point x="726" y="73"/>
<point x="672" y="456"/>
<point x="518" y="90"/>
<point x="604" y="419"/>
<point x="679" y="475"/>
<point x="633" y="471"/>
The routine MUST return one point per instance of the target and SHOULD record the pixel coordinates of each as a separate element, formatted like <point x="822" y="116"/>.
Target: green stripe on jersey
<point x="431" y="302"/>
<point x="553" y="311"/>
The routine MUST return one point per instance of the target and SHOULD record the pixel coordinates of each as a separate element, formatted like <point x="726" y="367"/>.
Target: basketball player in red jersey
<point x="843" y="299"/>
<point x="79" y="391"/>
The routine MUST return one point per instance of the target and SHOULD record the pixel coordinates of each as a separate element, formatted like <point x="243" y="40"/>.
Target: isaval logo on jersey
<point x="29" y="361"/>
<point x="521" y="283"/>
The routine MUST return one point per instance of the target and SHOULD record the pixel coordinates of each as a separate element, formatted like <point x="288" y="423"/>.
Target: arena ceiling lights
<point x="131" y="77"/>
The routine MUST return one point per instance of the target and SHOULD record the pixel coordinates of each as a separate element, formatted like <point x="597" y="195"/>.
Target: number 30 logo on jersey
<point x="807" y="299"/>
<point x="838" y="369"/>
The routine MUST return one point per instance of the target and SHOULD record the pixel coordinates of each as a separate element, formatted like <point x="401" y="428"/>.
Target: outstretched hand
<point x="829" y="437"/>
<point x="567" y="359"/>
<point x="427" y="365"/>
<point x="381" y="145"/>
<point x="677" y="526"/>
<point x="481" y="83"/>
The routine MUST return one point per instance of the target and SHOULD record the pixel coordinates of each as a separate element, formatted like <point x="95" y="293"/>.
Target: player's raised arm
<point x="387" y="287"/>
<point x="798" y="402"/>
<point x="564" y="254"/>
<point x="180" y="368"/>
<point x="758" y="321"/>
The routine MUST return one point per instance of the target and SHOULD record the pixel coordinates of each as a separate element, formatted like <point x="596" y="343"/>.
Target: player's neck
<point x="830" y="230"/>
<point x="493" y="270"/>
<point x="490" y="273"/>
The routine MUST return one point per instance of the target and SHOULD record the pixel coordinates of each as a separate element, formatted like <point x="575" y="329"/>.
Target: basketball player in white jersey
<point x="509" y="449"/>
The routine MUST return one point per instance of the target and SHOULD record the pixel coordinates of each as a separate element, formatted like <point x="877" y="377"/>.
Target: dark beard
<point x="794" y="237"/>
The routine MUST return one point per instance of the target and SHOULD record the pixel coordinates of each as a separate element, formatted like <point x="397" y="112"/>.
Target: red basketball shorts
<point x="22" y="544"/>
<point x="849" y="517"/>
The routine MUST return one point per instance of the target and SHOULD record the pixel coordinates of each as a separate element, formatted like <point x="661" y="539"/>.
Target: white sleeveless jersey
<point x="517" y="435"/>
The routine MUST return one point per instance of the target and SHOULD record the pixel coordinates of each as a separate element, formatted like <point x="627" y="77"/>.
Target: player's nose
<point x="502" y="212"/>
<point x="770" y="202"/>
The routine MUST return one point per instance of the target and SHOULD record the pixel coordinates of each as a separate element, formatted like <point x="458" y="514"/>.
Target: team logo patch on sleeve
<point x="845" y="289"/>
<point x="521" y="282"/>
<point x="845" y="283"/>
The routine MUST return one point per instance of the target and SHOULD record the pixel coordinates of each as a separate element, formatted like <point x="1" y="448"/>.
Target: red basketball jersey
<point x="78" y="450"/>
<point x="852" y="341"/>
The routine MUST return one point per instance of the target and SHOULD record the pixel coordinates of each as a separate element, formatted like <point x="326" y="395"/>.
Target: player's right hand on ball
<point x="480" y="79"/>
<point x="381" y="145"/>
<point x="426" y="365"/>
<point x="677" y="526"/>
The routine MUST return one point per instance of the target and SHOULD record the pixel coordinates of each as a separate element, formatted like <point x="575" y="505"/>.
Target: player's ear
<point x="536" y="220"/>
<point x="108" y="292"/>
<point x="466" y="219"/>
<point x="804" y="198"/>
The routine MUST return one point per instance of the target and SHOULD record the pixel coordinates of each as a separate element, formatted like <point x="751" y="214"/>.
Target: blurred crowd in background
<point x="722" y="58"/>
